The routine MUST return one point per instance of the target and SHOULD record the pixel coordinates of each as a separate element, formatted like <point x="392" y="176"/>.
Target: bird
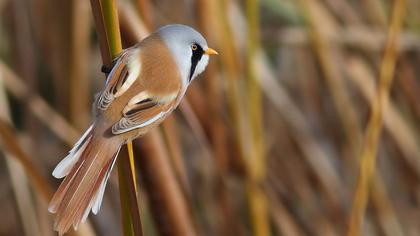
<point x="146" y="83"/>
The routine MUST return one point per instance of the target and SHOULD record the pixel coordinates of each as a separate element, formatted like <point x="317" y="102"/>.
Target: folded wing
<point x="122" y="76"/>
<point x="143" y="110"/>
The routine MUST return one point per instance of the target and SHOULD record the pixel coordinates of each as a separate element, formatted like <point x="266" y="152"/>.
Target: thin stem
<point x="106" y="20"/>
<point x="127" y="223"/>
<point x="131" y="157"/>
<point x="256" y="163"/>
<point x="110" y="18"/>
<point x="128" y="195"/>
<point x="368" y="157"/>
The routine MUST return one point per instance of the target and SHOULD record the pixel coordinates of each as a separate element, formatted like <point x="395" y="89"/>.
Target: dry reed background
<point x="280" y="136"/>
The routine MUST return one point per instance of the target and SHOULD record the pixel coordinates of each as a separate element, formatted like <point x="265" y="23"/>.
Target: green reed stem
<point x="107" y="25"/>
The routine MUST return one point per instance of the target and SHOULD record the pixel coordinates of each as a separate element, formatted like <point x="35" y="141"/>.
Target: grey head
<point x="188" y="47"/>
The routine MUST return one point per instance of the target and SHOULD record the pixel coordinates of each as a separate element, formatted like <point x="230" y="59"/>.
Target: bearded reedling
<point x="146" y="83"/>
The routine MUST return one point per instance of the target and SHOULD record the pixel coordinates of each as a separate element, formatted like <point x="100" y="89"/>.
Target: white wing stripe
<point x="125" y="124"/>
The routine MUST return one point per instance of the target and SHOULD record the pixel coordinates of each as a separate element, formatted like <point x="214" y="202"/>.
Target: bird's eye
<point x="194" y="46"/>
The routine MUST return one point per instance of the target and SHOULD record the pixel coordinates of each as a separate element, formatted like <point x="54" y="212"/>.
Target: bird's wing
<point x="123" y="74"/>
<point x="144" y="110"/>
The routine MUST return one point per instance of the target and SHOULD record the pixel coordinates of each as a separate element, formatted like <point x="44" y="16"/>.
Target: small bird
<point x="145" y="84"/>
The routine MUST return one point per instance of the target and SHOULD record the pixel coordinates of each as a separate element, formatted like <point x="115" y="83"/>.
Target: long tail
<point x="86" y="170"/>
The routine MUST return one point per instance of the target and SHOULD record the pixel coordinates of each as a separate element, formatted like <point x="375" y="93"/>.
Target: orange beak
<point x="211" y="51"/>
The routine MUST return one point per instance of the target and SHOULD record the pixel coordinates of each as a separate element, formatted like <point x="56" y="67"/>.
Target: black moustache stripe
<point x="195" y="58"/>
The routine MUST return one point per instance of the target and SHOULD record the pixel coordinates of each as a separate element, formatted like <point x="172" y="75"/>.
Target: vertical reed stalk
<point x="131" y="157"/>
<point x="256" y="162"/>
<point x="79" y="64"/>
<point x="230" y="63"/>
<point x="368" y="156"/>
<point x="128" y="193"/>
<point x="106" y="19"/>
<point x="214" y="123"/>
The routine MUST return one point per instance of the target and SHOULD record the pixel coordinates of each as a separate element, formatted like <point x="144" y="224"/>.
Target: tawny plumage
<point x="146" y="83"/>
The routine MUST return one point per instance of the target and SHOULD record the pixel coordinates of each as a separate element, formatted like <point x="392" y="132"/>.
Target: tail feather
<point x="65" y="165"/>
<point x="85" y="206"/>
<point x="61" y="191"/>
<point x="100" y="194"/>
<point x="87" y="170"/>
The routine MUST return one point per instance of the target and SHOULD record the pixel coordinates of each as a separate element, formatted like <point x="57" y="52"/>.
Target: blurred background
<point x="268" y="140"/>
